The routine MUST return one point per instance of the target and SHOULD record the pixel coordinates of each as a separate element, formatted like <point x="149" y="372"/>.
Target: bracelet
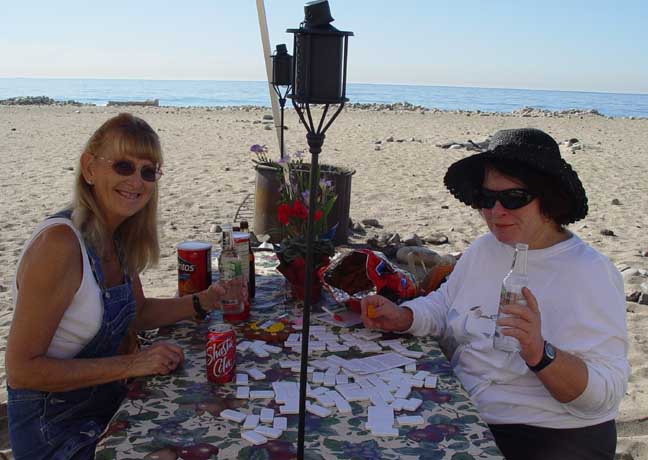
<point x="201" y="313"/>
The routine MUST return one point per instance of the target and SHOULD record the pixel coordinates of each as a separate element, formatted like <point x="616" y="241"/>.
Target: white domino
<point x="243" y="393"/>
<point x="255" y="373"/>
<point x="385" y="432"/>
<point x="318" y="378"/>
<point x="267" y="416"/>
<point x="280" y="423"/>
<point x="241" y="379"/>
<point x="243" y="346"/>
<point x="271" y="348"/>
<point x="254" y="437"/>
<point x="431" y="381"/>
<point x="412" y="404"/>
<point x="402" y="392"/>
<point x="342" y="405"/>
<point x="290" y="408"/>
<point x="287" y="364"/>
<point x="421" y="375"/>
<point x="233" y="415"/>
<point x="262" y="394"/>
<point x="268" y="431"/>
<point x="410" y="420"/>
<point x="410" y="367"/>
<point x="317" y="410"/>
<point x="251" y="422"/>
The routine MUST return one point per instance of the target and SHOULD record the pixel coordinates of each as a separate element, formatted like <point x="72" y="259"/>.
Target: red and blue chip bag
<point x="354" y="275"/>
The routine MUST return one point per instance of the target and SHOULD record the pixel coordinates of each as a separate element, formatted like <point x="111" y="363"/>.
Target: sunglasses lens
<point x="124" y="168"/>
<point x="509" y="199"/>
<point x="515" y="199"/>
<point x="149" y="173"/>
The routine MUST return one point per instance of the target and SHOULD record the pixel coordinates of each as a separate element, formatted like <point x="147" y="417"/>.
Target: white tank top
<point x="82" y="319"/>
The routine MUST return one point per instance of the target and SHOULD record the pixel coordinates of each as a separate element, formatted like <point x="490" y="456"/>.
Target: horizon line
<point x="349" y="82"/>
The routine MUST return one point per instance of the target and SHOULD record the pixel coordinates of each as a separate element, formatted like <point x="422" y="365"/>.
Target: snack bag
<point x="354" y="275"/>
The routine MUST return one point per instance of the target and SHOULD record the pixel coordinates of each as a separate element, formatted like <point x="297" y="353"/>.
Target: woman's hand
<point x="161" y="358"/>
<point x="381" y="313"/>
<point x="524" y="324"/>
<point x="212" y="297"/>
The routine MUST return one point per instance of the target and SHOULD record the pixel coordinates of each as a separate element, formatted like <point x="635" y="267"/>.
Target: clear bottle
<point x="511" y="292"/>
<point x="252" y="278"/>
<point x="230" y="268"/>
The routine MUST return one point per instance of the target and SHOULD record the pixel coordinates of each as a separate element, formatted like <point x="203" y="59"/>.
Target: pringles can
<point x="194" y="267"/>
<point x="220" y="353"/>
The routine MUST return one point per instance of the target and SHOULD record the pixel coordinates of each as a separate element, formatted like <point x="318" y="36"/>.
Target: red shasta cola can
<point x="221" y="353"/>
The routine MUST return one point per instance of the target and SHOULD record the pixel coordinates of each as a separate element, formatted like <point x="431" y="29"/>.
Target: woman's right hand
<point x="381" y="313"/>
<point x="161" y="358"/>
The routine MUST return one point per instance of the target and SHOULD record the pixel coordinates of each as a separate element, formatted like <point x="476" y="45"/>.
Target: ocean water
<point x="210" y="93"/>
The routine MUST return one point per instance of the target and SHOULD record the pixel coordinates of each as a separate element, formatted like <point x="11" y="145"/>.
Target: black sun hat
<point x="528" y="147"/>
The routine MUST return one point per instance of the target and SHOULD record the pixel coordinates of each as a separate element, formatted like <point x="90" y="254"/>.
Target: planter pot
<point x="268" y="181"/>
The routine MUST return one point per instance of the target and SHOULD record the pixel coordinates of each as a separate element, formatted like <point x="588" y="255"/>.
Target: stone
<point x="267" y="127"/>
<point x="377" y="148"/>
<point x="607" y="232"/>
<point x="616" y="202"/>
<point x="643" y="299"/>
<point x="358" y="228"/>
<point x="445" y="206"/>
<point x="644" y="287"/>
<point x="413" y="240"/>
<point x="390" y="139"/>
<point x="268" y="117"/>
<point x="633" y="297"/>
<point x="373" y="241"/>
<point x="371" y="223"/>
<point x="437" y="239"/>
<point x="394" y="239"/>
<point x="414" y="254"/>
<point x="214" y="228"/>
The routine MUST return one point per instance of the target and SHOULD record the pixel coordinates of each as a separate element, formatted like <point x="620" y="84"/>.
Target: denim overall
<point x="66" y="425"/>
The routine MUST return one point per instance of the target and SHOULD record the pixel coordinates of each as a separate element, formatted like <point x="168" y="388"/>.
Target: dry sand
<point x="208" y="174"/>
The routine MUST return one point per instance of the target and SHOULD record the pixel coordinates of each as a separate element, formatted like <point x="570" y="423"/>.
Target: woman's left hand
<point x="524" y="324"/>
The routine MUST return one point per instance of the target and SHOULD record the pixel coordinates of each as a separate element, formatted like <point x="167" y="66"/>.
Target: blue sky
<point x="588" y="45"/>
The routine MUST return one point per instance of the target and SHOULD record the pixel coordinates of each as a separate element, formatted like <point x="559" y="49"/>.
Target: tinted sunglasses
<point x="149" y="173"/>
<point x="513" y="198"/>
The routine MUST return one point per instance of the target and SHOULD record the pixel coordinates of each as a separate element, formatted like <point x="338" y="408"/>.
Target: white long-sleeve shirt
<point x="582" y="304"/>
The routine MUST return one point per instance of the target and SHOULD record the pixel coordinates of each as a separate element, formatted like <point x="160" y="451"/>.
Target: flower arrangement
<point x="292" y="212"/>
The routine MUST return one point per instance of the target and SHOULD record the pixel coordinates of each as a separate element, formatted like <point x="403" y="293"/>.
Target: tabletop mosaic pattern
<point x="177" y="416"/>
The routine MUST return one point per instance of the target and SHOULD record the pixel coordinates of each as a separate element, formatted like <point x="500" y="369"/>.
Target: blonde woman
<point x="77" y="293"/>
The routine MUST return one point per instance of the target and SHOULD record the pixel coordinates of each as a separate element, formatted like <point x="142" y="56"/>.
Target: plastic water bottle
<point x="511" y="293"/>
<point x="230" y="268"/>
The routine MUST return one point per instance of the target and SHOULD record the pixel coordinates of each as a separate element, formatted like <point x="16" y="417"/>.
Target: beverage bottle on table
<point x="252" y="280"/>
<point x="511" y="293"/>
<point x="230" y="269"/>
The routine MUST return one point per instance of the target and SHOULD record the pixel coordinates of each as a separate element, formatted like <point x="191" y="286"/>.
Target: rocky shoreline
<point x="524" y="112"/>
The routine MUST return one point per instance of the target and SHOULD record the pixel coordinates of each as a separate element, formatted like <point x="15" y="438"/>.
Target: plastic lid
<point x="194" y="245"/>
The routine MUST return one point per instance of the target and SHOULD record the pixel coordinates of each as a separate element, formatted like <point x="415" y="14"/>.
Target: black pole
<point x="315" y="141"/>
<point x="282" y="103"/>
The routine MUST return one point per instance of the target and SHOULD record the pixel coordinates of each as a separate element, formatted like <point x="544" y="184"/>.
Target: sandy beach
<point x="398" y="181"/>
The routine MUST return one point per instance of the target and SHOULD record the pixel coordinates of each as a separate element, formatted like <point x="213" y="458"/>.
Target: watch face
<point x="550" y="351"/>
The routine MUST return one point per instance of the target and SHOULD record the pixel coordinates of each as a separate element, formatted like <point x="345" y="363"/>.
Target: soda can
<point x="221" y="353"/>
<point x="194" y="267"/>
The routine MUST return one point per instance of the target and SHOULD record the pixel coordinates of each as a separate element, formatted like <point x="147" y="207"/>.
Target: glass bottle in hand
<point x="230" y="268"/>
<point x="511" y="293"/>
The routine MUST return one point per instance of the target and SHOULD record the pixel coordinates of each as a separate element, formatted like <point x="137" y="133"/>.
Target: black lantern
<point x="320" y="65"/>
<point x="282" y="75"/>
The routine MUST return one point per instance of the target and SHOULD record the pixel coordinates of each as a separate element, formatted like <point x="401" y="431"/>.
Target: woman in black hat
<point x="558" y="396"/>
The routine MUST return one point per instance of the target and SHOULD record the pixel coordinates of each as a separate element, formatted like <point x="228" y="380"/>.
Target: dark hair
<point x="555" y="201"/>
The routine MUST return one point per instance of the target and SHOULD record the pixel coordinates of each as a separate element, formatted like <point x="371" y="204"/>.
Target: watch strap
<point x="545" y="360"/>
<point x="201" y="313"/>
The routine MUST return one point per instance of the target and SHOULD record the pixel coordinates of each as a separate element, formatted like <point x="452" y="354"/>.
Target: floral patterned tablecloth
<point x="177" y="416"/>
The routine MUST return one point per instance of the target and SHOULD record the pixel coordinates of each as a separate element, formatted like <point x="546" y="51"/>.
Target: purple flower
<point x="256" y="148"/>
<point x="299" y="154"/>
<point x="306" y="196"/>
<point x="326" y="183"/>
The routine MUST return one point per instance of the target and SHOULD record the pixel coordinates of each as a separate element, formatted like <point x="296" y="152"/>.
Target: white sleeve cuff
<point x="426" y="319"/>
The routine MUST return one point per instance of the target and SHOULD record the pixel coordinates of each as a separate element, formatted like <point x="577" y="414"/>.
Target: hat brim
<point x="464" y="178"/>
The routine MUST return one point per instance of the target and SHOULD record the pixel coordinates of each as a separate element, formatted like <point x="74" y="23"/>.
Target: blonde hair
<point x="122" y="135"/>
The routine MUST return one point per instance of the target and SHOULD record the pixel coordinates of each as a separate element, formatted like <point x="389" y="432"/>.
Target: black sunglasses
<point x="513" y="198"/>
<point x="149" y="173"/>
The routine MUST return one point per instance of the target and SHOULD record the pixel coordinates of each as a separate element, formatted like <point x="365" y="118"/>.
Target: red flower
<point x="318" y="215"/>
<point x="299" y="210"/>
<point x="283" y="213"/>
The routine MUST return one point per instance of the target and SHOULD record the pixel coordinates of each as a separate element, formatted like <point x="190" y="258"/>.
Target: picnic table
<point x="177" y="416"/>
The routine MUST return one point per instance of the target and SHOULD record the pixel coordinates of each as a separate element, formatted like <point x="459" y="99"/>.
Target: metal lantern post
<point x="319" y="70"/>
<point x="282" y="75"/>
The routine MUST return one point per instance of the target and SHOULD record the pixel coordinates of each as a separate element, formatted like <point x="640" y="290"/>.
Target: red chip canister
<point x="221" y="353"/>
<point x="194" y="267"/>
